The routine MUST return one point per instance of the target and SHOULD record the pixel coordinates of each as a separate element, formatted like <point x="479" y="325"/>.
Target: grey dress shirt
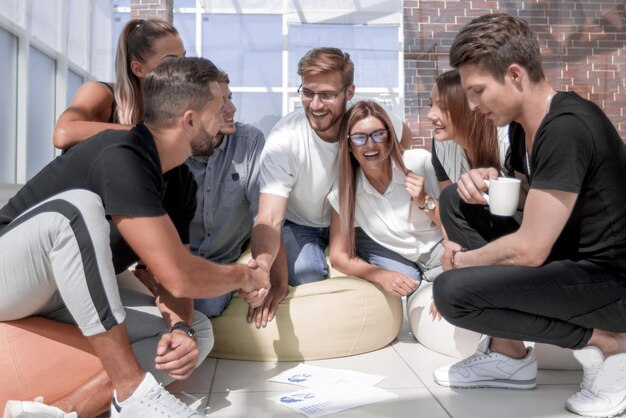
<point x="228" y="195"/>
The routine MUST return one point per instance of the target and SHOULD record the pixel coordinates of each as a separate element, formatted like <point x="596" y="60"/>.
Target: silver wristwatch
<point x="429" y="204"/>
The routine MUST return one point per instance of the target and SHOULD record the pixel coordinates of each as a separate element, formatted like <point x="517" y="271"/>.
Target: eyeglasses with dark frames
<point x="327" y="97"/>
<point x="359" y="139"/>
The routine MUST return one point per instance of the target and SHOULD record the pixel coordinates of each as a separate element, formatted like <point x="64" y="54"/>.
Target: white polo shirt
<point x="385" y="218"/>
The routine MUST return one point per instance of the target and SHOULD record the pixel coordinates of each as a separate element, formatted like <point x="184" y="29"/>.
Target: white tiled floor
<point x="226" y="388"/>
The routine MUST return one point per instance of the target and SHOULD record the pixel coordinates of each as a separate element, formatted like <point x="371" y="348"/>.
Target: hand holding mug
<point x="471" y="185"/>
<point x="503" y="195"/>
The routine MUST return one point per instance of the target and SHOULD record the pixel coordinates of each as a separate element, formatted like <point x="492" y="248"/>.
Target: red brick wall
<point x="162" y="9"/>
<point x="583" y="43"/>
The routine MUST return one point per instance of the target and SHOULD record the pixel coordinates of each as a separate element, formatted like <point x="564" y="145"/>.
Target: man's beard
<point x="202" y="145"/>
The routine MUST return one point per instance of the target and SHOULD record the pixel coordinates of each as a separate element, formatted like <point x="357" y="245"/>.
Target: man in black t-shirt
<point x="102" y="206"/>
<point x="561" y="277"/>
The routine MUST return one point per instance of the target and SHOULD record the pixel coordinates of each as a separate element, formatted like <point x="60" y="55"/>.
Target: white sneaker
<point x="592" y="359"/>
<point x="607" y="395"/>
<point x="486" y="369"/>
<point x="151" y="400"/>
<point x="28" y="409"/>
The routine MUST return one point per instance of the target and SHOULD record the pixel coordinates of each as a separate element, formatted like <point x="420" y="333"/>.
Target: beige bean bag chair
<point x="336" y="317"/>
<point x="443" y="338"/>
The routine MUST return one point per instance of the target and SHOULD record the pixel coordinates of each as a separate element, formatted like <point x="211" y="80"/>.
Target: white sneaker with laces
<point x="591" y="359"/>
<point x="36" y="409"/>
<point x="487" y="369"/>
<point x="607" y="395"/>
<point x="151" y="400"/>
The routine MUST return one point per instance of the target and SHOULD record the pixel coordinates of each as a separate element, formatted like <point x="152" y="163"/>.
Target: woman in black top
<point x="97" y="106"/>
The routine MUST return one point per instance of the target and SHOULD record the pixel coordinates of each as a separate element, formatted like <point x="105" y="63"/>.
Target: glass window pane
<point x="45" y="15"/>
<point x="248" y="47"/>
<point x="11" y="10"/>
<point x="185" y="23"/>
<point x="8" y="106"/>
<point x="74" y="81"/>
<point x="184" y="3"/>
<point x="261" y="110"/>
<point x="119" y="20"/>
<point x="39" y="148"/>
<point x="77" y="29"/>
<point x="373" y="49"/>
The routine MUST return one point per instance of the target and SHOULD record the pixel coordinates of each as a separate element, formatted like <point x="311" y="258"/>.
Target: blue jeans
<point x="212" y="306"/>
<point x="305" y="246"/>
<point x="377" y="255"/>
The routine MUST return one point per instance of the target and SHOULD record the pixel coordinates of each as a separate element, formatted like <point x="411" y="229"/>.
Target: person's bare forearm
<point x="210" y="279"/>
<point x="356" y="267"/>
<point x="173" y="309"/>
<point x="509" y="250"/>
<point x="265" y="243"/>
<point x="69" y="133"/>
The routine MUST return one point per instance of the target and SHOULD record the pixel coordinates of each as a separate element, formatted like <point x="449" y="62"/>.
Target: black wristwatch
<point x="183" y="326"/>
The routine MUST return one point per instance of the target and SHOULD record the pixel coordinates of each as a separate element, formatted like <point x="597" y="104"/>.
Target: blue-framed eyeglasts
<point x="359" y="139"/>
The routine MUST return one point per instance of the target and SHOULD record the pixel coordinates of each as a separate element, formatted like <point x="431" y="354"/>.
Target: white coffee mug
<point x="503" y="195"/>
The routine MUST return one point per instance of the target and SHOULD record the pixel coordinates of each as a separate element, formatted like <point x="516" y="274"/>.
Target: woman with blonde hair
<point x="383" y="217"/>
<point x="97" y="106"/>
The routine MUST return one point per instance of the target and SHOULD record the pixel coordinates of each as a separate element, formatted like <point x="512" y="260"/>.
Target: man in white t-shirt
<point x="299" y="166"/>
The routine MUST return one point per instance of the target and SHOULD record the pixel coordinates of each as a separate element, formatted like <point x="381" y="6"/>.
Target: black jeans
<point x="558" y="303"/>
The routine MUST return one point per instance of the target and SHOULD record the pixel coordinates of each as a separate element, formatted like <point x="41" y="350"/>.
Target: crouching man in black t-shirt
<point x="97" y="209"/>
<point x="561" y="277"/>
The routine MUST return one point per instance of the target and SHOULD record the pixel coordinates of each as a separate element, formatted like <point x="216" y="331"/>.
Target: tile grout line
<point x="423" y="383"/>
<point x="212" y="383"/>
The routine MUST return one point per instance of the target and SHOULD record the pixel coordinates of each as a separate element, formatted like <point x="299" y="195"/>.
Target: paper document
<point x="319" y="401"/>
<point x="328" y="390"/>
<point x="312" y="376"/>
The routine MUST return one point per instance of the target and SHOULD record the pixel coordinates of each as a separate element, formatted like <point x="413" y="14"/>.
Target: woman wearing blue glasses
<point x="383" y="217"/>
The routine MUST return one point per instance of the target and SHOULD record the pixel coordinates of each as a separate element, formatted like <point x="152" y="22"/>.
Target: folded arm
<point x="87" y="115"/>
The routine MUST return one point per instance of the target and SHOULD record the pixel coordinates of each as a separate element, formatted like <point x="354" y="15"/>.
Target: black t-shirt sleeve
<point x="128" y="182"/>
<point x="562" y="155"/>
<point x="440" y="172"/>
<point x="180" y="199"/>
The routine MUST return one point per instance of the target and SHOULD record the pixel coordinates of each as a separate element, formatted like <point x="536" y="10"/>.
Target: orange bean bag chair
<point x="41" y="357"/>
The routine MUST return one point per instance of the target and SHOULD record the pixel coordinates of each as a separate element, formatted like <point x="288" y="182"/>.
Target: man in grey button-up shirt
<point x="228" y="194"/>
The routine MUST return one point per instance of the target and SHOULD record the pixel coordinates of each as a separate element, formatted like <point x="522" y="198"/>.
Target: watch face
<point x="430" y="204"/>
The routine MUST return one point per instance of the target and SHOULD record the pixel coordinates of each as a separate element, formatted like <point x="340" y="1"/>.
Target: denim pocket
<point x="232" y="193"/>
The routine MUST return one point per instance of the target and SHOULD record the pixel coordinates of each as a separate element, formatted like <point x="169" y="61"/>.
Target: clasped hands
<point x="257" y="285"/>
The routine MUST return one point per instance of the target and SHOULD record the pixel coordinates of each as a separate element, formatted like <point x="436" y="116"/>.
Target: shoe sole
<point x="494" y="384"/>
<point x="621" y="407"/>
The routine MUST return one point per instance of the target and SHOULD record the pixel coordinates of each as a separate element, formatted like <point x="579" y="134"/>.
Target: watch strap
<point x="183" y="326"/>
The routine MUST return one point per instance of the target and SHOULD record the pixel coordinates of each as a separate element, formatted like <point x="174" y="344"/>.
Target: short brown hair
<point x="222" y="76"/>
<point x="176" y="86"/>
<point x="496" y="41"/>
<point x="327" y="60"/>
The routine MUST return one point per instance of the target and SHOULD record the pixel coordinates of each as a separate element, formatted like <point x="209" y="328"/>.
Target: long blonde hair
<point x="135" y="43"/>
<point x="348" y="165"/>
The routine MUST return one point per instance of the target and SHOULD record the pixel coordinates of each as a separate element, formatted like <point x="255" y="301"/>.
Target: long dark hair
<point x="348" y="164"/>
<point x="480" y="133"/>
